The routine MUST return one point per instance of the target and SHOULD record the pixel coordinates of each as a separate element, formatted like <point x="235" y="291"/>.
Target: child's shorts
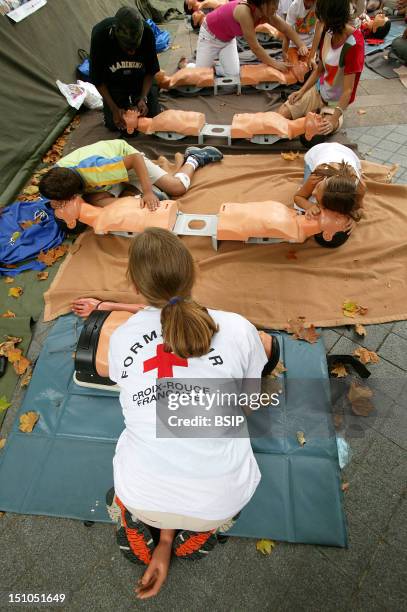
<point x="311" y="101"/>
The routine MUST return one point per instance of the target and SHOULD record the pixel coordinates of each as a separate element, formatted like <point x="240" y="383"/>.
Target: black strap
<point x="350" y="360"/>
<point x="83" y="55"/>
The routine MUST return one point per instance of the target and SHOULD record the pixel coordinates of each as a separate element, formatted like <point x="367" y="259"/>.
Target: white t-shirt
<point x="283" y="7"/>
<point x="330" y="153"/>
<point x="209" y="478"/>
<point x="303" y="21"/>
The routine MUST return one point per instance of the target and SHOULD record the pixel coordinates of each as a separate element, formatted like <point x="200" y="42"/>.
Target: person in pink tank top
<point x="217" y="36"/>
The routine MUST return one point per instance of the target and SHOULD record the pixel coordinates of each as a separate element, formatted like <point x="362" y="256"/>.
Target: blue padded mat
<point x="64" y="467"/>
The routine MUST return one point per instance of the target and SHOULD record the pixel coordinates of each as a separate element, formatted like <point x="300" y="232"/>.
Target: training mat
<point x="268" y="284"/>
<point x="383" y="65"/>
<point x="64" y="467"/>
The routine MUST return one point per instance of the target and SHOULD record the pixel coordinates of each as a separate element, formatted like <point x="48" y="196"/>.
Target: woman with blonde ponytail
<point x="172" y="494"/>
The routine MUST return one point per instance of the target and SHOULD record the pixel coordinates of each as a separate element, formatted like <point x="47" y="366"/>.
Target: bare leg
<point x="172" y="185"/>
<point x="283" y="110"/>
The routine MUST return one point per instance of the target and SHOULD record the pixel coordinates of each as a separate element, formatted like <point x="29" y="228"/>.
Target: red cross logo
<point x="164" y="363"/>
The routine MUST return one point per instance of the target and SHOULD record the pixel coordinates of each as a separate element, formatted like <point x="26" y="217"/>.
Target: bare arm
<point x="116" y="111"/>
<point x="288" y="31"/>
<point x="319" y="29"/>
<point x="243" y="16"/>
<point x="157" y="571"/>
<point x="302" y="195"/>
<point x="84" y="306"/>
<point x="309" y="83"/>
<point x="136" y="162"/>
<point x="142" y="105"/>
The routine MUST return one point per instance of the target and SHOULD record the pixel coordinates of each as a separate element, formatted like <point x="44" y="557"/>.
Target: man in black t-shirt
<point x="123" y="62"/>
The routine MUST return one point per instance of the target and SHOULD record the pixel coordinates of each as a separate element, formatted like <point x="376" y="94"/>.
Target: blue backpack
<point x="162" y="37"/>
<point x="18" y="244"/>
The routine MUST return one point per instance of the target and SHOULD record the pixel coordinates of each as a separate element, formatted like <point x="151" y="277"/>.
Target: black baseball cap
<point x="129" y="27"/>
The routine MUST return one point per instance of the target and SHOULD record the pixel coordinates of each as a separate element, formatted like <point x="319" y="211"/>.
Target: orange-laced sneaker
<point x="133" y="536"/>
<point x="194" y="545"/>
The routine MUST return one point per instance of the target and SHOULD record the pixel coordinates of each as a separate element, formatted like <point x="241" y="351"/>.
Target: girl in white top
<point x="193" y="484"/>
<point x="332" y="180"/>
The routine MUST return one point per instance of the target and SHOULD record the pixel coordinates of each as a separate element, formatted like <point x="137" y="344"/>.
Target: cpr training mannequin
<point x="123" y="214"/>
<point x="247" y="125"/>
<point x="274" y="219"/>
<point x="244" y="125"/>
<point x="187" y="488"/>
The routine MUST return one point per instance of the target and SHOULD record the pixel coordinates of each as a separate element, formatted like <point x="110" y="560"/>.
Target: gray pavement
<point x="50" y="555"/>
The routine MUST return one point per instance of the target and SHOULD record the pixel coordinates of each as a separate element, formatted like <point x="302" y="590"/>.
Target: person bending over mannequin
<point x="217" y="36"/>
<point x="123" y="62"/>
<point x="186" y="488"/>
<point x="334" y="80"/>
<point x="111" y="168"/>
<point x="332" y="180"/>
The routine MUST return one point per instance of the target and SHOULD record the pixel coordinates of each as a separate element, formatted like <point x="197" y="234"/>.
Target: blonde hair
<point x="162" y="269"/>
<point x="341" y="189"/>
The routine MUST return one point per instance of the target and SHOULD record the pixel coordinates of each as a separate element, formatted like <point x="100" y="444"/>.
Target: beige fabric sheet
<point x="262" y="282"/>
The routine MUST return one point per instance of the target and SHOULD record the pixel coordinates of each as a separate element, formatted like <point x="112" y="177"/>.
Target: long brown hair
<point x="162" y="269"/>
<point x="340" y="193"/>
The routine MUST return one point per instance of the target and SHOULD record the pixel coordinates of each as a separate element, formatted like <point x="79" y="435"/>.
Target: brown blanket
<point x="264" y="282"/>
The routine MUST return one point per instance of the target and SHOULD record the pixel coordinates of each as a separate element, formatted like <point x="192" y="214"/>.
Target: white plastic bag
<point x="93" y="99"/>
<point x="74" y="94"/>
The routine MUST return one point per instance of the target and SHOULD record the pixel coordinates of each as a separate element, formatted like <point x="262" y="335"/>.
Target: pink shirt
<point x="222" y="24"/>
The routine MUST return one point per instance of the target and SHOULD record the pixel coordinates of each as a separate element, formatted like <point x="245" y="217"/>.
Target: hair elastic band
<point x="175" y="300"/>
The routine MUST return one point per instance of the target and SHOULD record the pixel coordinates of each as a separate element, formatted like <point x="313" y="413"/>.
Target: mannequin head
<point x="162" y="269"/>
<point x="68" y="210"/>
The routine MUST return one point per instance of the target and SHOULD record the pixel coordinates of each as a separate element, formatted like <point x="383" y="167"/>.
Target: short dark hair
<point x="334" y="14"/>
<point x="60" y="184"/>
<point x="382" y="31"/>
<point x="129" y="16"/>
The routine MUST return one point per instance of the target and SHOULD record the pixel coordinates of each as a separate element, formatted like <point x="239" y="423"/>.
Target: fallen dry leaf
<point x="359" y="398"/>
<point x="2" y="442"/>
<point x="362" y="111"/>
<point x="9" y="314"/>
<point x="297" y="328"/>
<point x="291" y="254"/>
<point x="28" y="421"/>
<point x="42" y="275"/>
<point x="21" y="365"/>
<point x="265" y="546"/>
<point x="175" y="47"/>
<point x="339" y="370"/>
<point x="51" y="256"/>
<point x="4" y="404"/>
<point x="15" y="292"/>
<point x="338" y="420"/>
<point x="290" y="156"/>
<point x="301" y="438"/>
<point x="26" y="377"/>
<point x="279" y="369"/>
<point x="345" y="486"/>
<point x="8" y="345"/>
<point x="365" y="356"/>
<point x="351" y="309"/>
<point x="8" y="280"/>
<point x="360" y="329"/>
<point x="31" y="190"/>
<point x="14" y="355"/>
